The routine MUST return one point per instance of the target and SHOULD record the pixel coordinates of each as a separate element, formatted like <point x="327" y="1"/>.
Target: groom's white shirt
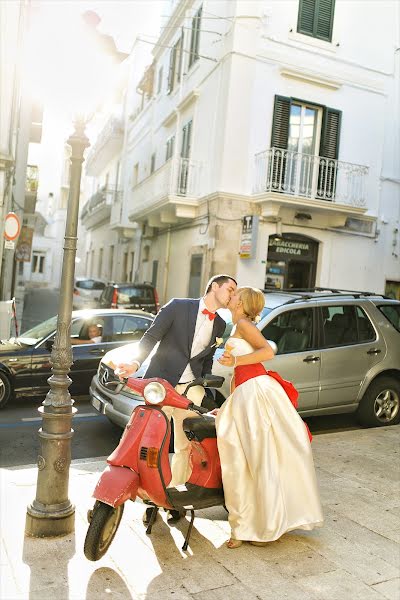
<point x="201" y="339"/>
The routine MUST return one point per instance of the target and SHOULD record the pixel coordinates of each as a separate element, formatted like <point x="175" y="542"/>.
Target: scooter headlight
<point x="154" y="393"/>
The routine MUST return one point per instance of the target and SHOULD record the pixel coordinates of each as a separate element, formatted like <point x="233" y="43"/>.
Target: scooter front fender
<point x="116" y="485"/>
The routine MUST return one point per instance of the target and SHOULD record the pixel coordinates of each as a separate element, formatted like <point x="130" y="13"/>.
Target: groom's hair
<point x="220" y="279"/>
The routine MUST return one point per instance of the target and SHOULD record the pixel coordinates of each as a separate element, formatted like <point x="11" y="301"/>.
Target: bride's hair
<point x="253" y="301"/>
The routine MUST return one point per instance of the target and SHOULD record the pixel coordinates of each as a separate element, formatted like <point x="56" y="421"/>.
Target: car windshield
<point x="134" y="294"/>
<point x="37" y="333"/>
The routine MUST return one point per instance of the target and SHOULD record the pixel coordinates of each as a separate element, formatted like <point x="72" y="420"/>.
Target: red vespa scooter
<point x="139" y="466"/>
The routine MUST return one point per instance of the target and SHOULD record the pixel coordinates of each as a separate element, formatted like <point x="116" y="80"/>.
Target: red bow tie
<point x="211" y="315"/>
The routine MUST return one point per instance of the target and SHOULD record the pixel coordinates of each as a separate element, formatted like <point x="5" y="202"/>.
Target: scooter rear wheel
<point x="102" y="529"/>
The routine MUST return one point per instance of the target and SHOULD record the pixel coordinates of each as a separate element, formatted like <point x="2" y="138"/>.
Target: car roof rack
<point x="313" y="293"/>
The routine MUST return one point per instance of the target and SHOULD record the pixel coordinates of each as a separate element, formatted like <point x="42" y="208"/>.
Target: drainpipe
<point x="166" y="264"/>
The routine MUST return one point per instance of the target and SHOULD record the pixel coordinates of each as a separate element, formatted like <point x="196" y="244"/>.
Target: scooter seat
<point x="199" y="428"/>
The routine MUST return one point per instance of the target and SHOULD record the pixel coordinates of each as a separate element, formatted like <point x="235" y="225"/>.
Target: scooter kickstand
<point x="189" y="531"/>
<point x="152" y="519"/>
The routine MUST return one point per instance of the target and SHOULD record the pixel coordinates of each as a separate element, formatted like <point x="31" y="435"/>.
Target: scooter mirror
<point x="214" y="381"/>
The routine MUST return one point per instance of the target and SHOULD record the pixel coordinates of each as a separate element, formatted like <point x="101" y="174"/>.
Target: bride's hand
<point x="227" y="359"/>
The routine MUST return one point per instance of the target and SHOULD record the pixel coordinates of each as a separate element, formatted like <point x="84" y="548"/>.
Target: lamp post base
<point x="40" y="522"/>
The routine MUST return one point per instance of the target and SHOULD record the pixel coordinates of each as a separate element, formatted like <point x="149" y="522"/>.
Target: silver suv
<point x="340" y="349"/>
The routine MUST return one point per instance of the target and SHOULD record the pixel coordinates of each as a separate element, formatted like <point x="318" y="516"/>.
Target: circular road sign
<point x="12" y="226"/>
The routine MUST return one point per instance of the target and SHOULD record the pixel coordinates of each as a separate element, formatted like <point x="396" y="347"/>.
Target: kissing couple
<point x="266" y="459"/>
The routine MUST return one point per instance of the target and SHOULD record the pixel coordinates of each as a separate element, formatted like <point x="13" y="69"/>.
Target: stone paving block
<point x="173" y="594"/>
<point x="362" y="537"/>
<point x="339" y="585"/>
<point x="264" y="579"/>
<point x="237" y="591"/>
<point x="389" y="589"/>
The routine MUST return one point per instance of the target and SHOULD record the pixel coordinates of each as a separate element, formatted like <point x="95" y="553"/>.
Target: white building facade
<point x="263" y="141"/>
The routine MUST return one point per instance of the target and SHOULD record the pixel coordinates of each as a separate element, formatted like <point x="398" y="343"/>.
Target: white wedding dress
<point x="267" y="466"/>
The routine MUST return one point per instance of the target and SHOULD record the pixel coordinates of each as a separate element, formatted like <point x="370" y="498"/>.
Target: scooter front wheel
<point x="103" y="526"/>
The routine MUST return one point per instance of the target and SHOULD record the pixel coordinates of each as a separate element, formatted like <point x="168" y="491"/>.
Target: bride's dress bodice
<point x="238" y="346"/>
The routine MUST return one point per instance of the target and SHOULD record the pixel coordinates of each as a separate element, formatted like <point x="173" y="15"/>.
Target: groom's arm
<point x="156" y="331"/>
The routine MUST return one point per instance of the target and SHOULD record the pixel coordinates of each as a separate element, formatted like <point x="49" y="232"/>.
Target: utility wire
<point x="155" y="44"/>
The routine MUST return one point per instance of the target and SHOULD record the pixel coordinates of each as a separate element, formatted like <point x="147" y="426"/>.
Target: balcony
<point x="31" y="188"/>
<point x="107" y="145"/>
<point x="291" y="178"/>
<point x="97" y="209"/>
<point x="169" y="194"/>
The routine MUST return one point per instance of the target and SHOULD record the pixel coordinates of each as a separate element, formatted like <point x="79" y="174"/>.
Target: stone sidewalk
<point x="356" y="555"/>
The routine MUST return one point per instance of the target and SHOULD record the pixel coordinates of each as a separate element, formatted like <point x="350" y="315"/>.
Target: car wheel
<point x="380" y="404"/>
<point x="6" y="390"/>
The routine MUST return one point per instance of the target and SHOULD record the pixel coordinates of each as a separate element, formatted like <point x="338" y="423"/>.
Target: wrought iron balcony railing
<point x="104" y="197"/>
<point x="310" y="176"/>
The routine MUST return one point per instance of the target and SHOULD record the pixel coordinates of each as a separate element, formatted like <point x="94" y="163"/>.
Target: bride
<point x="267" y="466"/>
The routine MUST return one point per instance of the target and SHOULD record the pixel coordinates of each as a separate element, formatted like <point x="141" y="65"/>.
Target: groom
<point x="186" y="330"/>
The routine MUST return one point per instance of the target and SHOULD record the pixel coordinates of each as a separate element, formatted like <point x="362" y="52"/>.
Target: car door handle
<point x="98" y="351"/>
<point x="374" y="351"/>
<point x="311" y="359"/>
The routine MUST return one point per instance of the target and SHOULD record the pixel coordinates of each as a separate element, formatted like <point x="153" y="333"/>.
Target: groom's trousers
<point x="180" y="467"/>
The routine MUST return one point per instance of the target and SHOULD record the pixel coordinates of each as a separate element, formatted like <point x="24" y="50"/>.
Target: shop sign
<point x="248" y="240"/>
<point x="24" y="246"/>
<point x="286" y="246"/>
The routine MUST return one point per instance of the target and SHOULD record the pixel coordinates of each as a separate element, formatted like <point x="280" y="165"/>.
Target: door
<point x="303" y="141"/>
<point x="41" y="366"/>
<point x="350" y="347"/>
<point x="298" y="360"/>
<point x="196" y="264"/>
<point x="299" y="275"/>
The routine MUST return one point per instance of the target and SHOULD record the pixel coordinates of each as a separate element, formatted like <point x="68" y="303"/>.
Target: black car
<point x="25" y="360"/>
<point x="140" y="296"/>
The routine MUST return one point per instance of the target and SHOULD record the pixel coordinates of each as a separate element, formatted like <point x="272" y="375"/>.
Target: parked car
<point x="25" y="360"/>
<point x="86" y="292"/>
<point x="340" y="349"/>
<point x="139" y="296"/>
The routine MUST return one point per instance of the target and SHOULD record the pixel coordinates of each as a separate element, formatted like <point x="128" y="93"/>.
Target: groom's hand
<point x="124" y="370"/>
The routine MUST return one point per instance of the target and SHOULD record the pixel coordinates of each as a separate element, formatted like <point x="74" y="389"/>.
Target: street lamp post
<point x="51" y="513"/>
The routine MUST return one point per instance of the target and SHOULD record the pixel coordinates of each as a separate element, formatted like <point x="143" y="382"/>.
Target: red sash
<point x="245" y="372"/>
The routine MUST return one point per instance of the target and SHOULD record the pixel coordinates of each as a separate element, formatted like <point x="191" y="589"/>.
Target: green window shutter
<point x="316" y="18"/>
<point x="306" y="17"/>
<point x="280" y="124"/>
<point x="279" y="139"/>
<point x="171" y="71"/>
<point x="195" y="37"/>
<point x="330" y="135"/>
<point x="329" y="153"/>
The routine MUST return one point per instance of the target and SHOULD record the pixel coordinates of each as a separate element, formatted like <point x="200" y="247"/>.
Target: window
<point x="135" y="174"/>
<point x="126" y="329"/>
<point x="38" y="262"/>
<point x="195" y="37"/>
<point x="301" y="131"/>
<point x="170" y="148"/>
<point x="346" y="324"/>
<point x="316" y="18"/>
<point x="159" y="80"/>
<point x="153" y="163"/>
<point x="392" y="313"/>
<point x="20" y="267"/>
<point x="292" y="331"/>
<point x="175" y="59"/>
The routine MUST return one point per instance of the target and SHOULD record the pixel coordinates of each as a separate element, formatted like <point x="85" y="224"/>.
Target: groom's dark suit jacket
<point x="174" y="328"/>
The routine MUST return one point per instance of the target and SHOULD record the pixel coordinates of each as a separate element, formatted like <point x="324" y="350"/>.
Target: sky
<point x="57" y="73"/>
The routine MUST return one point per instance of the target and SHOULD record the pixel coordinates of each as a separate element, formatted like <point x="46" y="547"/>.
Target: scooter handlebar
<point x="199" y="409"/>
